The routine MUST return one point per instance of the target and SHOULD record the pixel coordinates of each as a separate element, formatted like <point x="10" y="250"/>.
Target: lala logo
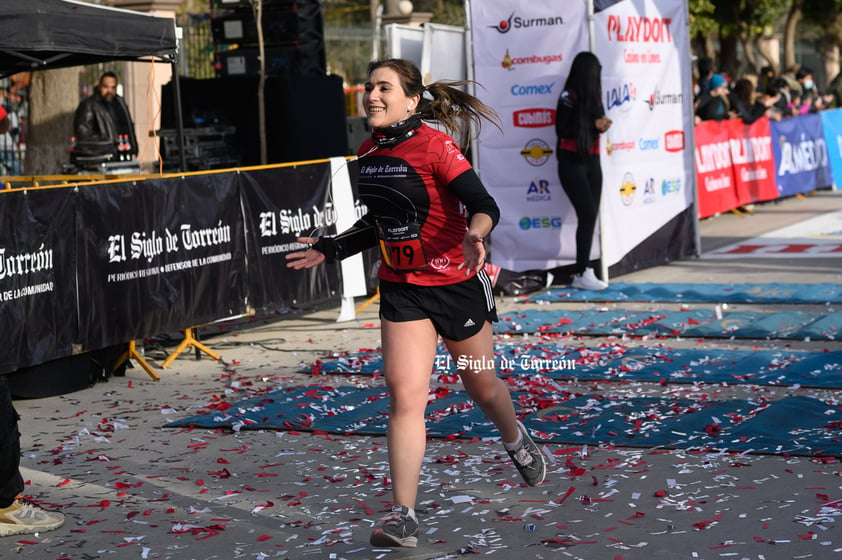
<point x="620" y="96"/>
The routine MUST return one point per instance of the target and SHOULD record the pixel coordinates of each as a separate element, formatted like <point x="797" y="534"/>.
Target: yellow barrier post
<point x="132" y="354"/>
<point x="189" y="340"/>
<point x="369" y="301"/>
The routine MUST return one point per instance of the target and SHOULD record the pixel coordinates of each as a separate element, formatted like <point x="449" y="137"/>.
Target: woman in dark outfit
<point x="580" y="119"/>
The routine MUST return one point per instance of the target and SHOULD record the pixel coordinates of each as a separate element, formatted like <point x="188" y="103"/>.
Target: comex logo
<point x="540" y="222"/>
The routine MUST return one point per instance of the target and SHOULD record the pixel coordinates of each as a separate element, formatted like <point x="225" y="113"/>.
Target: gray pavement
<point x="133" y="488"/>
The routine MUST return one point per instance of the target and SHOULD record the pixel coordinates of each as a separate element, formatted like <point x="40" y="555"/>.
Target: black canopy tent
<point x="45" y="34"/>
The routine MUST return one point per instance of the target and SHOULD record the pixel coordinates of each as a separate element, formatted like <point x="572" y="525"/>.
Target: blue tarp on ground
<point x="698" y="293"/>
<point x="789" y="325"/>
<point x="797" y="425"/>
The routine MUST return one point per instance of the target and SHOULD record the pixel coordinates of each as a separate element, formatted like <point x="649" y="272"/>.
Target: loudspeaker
<point x="300" y="23"/>
<point x="307" y="59"/>
<point x="293" y="39"/>
<point x="305" y="115"/>
<point x="305" y="118"/>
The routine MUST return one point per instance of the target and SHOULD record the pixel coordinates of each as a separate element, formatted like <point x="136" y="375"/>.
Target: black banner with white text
<point x="281" y="205"/>
<point x="37" y="270"/>
<point x="159" y="256"/>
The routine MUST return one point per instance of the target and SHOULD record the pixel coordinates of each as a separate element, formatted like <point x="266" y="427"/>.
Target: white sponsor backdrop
<point x="646" y="158"/>
<point x="522" y="51"/>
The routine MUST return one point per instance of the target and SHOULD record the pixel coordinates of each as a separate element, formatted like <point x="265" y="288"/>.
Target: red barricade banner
<point x="714" y="168"/>
<point x="754" y="161"/>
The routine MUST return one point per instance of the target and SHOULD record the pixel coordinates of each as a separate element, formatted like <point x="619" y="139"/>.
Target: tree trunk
<point x="769" y="50"/>
<point x="790" y="28"/>
<point x="748" y="53"/>
<point x="53" y="98"/>
<point x="728" y="61"/>
<point x="829" y="52"/>
<point x="257" y="5"/>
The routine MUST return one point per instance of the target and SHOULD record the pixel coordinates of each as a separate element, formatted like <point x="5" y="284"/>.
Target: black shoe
<point x="529" y="459"/>
<point x="396" y="528"/>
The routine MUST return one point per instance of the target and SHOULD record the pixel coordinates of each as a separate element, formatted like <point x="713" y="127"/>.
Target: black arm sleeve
<point x="346" y="244"/>
<point x="473" y="195"/>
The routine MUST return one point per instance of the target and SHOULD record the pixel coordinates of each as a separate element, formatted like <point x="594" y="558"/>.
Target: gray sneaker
<point x="396" y="528"/>
<point x="529" y="459"/>
<point x="23" y="517"/>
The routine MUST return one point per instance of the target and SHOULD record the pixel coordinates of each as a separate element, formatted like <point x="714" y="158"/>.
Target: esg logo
<point x="540" y="222"/>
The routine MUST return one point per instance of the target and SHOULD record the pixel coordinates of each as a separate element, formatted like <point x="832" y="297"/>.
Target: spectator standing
<point x="580" y="119"/>
<point x="102" y="124"/>
<point x="714" y="105"/>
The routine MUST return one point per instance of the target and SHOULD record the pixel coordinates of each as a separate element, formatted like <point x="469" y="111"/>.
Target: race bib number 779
<point x="401" y="247"/>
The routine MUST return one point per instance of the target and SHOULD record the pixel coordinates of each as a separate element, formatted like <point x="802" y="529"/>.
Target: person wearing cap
<point x="714" y="106"/>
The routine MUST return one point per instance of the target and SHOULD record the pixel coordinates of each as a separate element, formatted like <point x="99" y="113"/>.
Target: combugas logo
<point x="536" y="152"/>
<point x="509" y="62"/>
<point x="517" y="22"/>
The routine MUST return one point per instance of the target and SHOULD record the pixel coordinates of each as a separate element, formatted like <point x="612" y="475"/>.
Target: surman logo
<point x="517" y="22"/>
<point x="505" y="25"/>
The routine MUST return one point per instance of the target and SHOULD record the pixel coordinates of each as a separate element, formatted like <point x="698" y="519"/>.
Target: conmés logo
<point x="534" y="118"/>
<point x="517" y="22"/>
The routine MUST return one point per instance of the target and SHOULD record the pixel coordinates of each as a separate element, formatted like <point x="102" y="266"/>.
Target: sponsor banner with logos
<point x="754" y="161"/>
<point x="522" y="54"/>
<point x="646" y="158"/>
<point x="832" y="124"/>
<point x="737" y="164"/>
<point x="714" y="168"/>
<point x="801" y="156"/>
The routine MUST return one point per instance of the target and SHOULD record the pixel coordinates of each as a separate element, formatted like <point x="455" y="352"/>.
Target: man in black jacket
<point x="102" y="124"/>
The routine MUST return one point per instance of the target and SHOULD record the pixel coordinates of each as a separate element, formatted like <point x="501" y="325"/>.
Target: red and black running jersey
<point x="407" y="184"/>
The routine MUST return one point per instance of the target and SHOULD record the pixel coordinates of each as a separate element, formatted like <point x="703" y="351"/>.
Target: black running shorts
<point x="458" y="311"/>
